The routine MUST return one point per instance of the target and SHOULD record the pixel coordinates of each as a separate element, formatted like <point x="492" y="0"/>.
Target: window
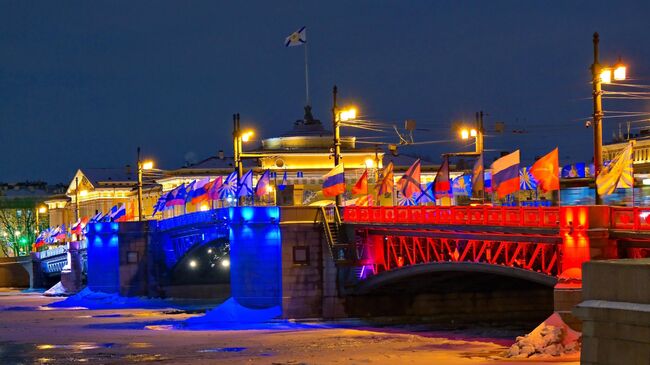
<point x="301" y="255"/>
<point x="132" y="257"/>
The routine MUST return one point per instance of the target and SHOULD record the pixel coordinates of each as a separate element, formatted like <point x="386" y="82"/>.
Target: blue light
<point x="113" y="242"/>
<point x="98" y="227"/>
<point x="97" y="242"/>
<point x="247" y="213"/>
<point x="115" y="227"/>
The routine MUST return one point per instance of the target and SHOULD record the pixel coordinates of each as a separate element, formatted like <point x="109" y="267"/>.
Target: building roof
<point x="96" y="176"/>
<point x="215" y="162"/>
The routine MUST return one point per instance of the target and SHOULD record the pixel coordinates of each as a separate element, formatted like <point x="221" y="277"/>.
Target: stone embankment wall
<point x="615" y="312"/>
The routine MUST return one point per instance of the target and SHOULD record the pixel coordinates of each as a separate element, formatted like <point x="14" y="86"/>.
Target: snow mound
<point x="58" y="290"/>
<point x="552" y="338"/>
<point x="100" y="300"/>
<point x="232" y="315"/>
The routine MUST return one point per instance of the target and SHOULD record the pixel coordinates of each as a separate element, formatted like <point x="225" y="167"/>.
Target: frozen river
<point x="31" y="335"/>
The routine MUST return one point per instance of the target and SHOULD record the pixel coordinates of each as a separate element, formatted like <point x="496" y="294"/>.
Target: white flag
<point x="297" y="38"/>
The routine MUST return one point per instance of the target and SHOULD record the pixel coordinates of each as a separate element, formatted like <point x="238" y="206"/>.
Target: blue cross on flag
<point x="297" y="38"/>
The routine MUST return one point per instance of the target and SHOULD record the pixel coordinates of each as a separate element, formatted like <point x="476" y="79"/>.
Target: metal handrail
<point x="328" y="232"/>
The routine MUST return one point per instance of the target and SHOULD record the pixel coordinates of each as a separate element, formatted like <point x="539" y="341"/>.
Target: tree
<point x="18" y="228"/>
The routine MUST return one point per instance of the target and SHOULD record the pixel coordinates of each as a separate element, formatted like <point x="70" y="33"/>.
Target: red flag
<point x="364" y="201"/>
<point x="441" y="184"/>
<point x="213" y="189"/>
<point x="385" y="185"/>
<point x="546" y="171"/>
<point x="361" y="187"/>
<point x="409" y="183"/>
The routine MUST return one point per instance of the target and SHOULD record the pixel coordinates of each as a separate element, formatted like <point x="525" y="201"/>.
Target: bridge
<point x="314" y="261"/>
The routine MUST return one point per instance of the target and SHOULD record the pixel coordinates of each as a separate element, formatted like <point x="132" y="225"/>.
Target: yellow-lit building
<point x="303" y="154"/>
<point x="94" y="190"/>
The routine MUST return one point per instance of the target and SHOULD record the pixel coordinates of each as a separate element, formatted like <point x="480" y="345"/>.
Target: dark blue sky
<point x="84" y="83"/>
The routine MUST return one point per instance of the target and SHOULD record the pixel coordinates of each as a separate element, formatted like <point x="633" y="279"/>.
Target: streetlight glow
<point x="246" y="136"/>
<point x="193" y="264"/>
<point x="370" y="163"/>
<point x="147" y="165"/>
<point x="619" y="73"/>
<point x="606" y="76"/>
<point x="225" y="263"/>
<point x="464" y="134"/>
<point x="472" y="132"/>
<point x="42" y="210"/>
<point x="348" y="114"/>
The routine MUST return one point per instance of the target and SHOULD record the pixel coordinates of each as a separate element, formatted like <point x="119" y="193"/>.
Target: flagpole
<point x="306" y="75"/>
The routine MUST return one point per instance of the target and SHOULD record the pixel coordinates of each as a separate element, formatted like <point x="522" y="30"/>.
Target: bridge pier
<point x="585" y="236"/>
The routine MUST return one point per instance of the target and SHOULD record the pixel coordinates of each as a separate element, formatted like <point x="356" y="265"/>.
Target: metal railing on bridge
<point x="543" y="217"/>
<point x="628" y="218"/>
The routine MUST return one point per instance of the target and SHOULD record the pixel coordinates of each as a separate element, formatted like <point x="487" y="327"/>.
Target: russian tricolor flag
<point x="505" y="174"/>
<point x="334" y="183"/>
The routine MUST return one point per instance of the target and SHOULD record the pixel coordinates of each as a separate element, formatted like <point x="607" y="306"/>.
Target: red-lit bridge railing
<point x="631" y="219"/>
<point x="543" y="217"/>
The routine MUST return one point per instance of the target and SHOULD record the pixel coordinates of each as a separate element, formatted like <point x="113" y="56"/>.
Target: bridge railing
<point x="56" y="251"/>
<point x="544" y="217"/>
<point x="628" y="218"/>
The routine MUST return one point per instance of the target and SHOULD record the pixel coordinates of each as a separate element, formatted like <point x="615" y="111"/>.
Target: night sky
<point x="82" y="84"/>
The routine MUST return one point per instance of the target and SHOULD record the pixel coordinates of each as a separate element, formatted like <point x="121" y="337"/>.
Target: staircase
<point x="342" y="253"/>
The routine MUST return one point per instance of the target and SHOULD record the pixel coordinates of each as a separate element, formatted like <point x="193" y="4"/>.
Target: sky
<point x="84" y="83"/>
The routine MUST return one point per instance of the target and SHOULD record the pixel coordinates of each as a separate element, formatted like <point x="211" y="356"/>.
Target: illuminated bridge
<point x="325" y="262"/>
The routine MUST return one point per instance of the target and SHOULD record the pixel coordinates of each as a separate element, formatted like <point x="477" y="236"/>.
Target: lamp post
<point x="477" y="133"/>
<point x="76" y="198"/>
<point x="42" y="209"/>
<point x="339" y="116"/>
<point x="238" y="138"/>
<point x="601" y="74"/>
<point x="142" y="165"/>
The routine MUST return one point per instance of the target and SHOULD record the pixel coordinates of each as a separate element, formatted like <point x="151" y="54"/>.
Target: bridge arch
<point x="388" y="277"/>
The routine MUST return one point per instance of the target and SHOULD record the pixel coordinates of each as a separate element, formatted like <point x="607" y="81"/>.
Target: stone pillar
<point x="38" y="276"/>
<point x="71" y="275"/>
<point x="585" y="236"/>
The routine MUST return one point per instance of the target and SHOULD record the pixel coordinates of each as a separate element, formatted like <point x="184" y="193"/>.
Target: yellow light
<point x="42" y="210"/>
<point x="204" y="207"/>
<point x="606" y="76"/>
<point x="269" y="189"/>
<point x="147" y="165"/>
<point x="472" y="132"/>
<point x="247" y="136"/>
<point x="83" y="193"/>
<point x="370" y="163"/>
<point x="348" y="114"/>
<point x="17" y="233"/>
<point x="464" y="134"/>
<point x="193" y="264"/>
<point x="619" y="73"/>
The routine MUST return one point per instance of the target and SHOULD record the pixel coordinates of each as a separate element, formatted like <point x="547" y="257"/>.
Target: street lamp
<point x="601" y="74"/>
<point x="142" y="166"/>
<point x="477" y="132"/>
<point x="42" y="209"/>
<point x="239" y="136"/>
<point x="338" y="116"/>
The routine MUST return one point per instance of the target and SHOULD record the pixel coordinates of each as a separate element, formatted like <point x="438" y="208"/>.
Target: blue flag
<point x="245" y="187"/>
<point x="229" y="186"/>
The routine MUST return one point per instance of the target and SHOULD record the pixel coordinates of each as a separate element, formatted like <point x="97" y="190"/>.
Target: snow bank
<point x="232" y="315"/>
<point x="99" y="300"/>
<point x="552" y="338"/>
<point x="58" y="290"/>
